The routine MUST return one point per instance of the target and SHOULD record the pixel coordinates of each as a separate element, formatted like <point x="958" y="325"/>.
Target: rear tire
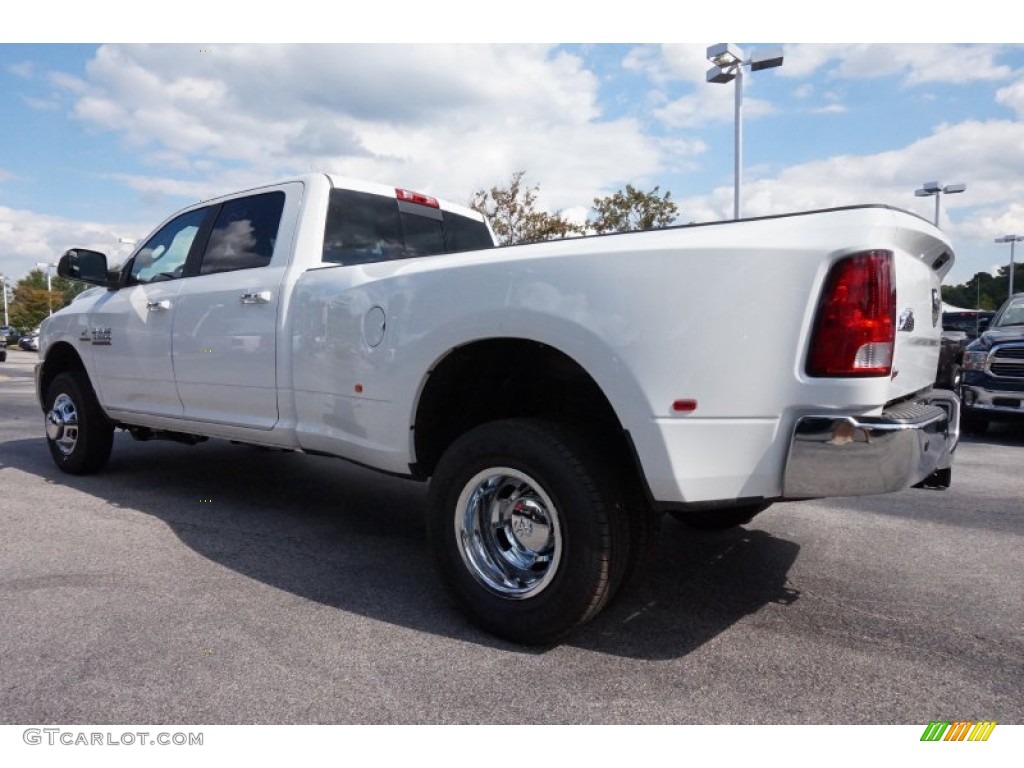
<point x="78" y="433"/>
<point x="720" y="519"/>
<point x="527" y="529"/>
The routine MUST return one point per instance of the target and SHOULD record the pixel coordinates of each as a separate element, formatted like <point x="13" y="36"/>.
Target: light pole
<point x="1012" y="240"/>
<point x="729" y="60"/>
<point x="49" y="284"/>
<point x="3" y="286"/>
<point x="930" y="188"/>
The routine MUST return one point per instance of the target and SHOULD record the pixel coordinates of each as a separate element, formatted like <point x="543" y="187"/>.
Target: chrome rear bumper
<point x="861" y="455"/>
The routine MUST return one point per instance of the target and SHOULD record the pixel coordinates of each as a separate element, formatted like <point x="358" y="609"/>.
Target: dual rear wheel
<point x="529" y="528"/>
<point x="535" y="529"/>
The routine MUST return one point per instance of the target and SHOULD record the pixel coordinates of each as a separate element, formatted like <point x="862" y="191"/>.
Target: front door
<point x="130" y="328"/>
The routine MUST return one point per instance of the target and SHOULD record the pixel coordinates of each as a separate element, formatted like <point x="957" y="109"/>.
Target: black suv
<point x="993" y="370"/>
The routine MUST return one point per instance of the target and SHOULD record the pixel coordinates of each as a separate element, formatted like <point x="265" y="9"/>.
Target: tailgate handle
<point x="263" y="297"/>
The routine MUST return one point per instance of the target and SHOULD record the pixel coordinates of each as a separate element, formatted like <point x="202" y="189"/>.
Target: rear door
<point x="226" y="325"/>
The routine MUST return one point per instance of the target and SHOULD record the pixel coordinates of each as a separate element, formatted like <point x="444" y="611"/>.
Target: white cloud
<point x="447" y="119"/>
<point x="42" y="105"/>
<point x="22" y="69"/>
<point x="974" y="152"/>
<point x="27" y="237"/>
<point x="713" y="104"/>
<point x="1012" y="96"/>
<point x="830" y="109"/>
<point x="916" y="63"/>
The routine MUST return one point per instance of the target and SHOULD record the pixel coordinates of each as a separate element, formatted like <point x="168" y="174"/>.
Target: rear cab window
<point x="364" y="227"/>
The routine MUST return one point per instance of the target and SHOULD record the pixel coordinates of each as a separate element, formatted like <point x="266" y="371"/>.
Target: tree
<point x="984" y="291"/>
<point x="31" y="301"/>
<point x="630" y="209"/>
<point x="512" y="213"/>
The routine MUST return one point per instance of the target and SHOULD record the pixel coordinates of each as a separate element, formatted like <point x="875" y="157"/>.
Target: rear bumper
<point x="861" y="455"/>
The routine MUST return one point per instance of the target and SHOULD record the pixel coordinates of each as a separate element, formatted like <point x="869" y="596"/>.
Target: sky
<point x="102" y="141"/>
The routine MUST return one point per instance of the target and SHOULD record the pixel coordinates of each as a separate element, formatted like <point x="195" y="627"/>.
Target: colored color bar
<point x="934" y="730"/>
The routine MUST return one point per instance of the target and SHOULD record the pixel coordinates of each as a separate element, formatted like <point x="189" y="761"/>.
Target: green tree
<point x="985" y="291"/>
<point x="630" y="209"/>
<point x="31" y="301"/>
<point x="513" y="215"/>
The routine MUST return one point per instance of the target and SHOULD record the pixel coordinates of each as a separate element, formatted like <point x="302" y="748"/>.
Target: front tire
<point x="78" y="433"/>
<point x="528" y="531"/>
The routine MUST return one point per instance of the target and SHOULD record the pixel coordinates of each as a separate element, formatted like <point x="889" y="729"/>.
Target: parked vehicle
<point x="959" y="328"/>
<point x="30" y="341"/>
<point x="970" y="322"/>
<point x="558" y="396"/>
<point x="8" y="335"/>
<point x="993" y="380"/>
<point x="951" y="354"/>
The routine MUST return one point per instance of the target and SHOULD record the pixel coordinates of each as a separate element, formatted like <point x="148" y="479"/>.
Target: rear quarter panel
<point x="717" y="314"/>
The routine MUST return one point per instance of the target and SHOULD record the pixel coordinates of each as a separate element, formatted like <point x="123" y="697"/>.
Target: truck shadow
<point x="999" y="433"/>
<point x="355" y="540"/>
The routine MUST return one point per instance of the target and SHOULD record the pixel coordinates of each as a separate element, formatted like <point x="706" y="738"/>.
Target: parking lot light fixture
<point x="1012" y="240"/>
<point x="3" y="287"/>
<point x="930" y="188"/>
<point x="728" y="61"/>
<point x="49" y="283"/>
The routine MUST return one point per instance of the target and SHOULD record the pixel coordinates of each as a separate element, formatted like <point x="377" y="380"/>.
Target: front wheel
<point x="528" y="533"/>
<point x="78" y="433"/>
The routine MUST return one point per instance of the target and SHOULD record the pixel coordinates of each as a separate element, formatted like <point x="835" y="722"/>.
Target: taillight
<point x="417" y="197"/>
<point x="855" y="328"/>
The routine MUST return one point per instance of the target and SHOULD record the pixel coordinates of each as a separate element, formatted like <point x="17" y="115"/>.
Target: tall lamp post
<point x="49" y="284"/>
<point x="1012" y="240"/>
<point x="3" y="287"/>
<point x="729" y="61"/>
<point x="930" y="188"/>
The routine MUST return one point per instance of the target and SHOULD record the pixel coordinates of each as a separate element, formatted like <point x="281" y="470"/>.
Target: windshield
<point x="1012" y="314"/>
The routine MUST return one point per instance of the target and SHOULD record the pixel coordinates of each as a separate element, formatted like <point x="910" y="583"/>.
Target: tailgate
<point x="922" y="256"/>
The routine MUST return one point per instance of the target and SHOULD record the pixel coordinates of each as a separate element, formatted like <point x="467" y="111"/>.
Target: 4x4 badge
<point x="100" y="336"/>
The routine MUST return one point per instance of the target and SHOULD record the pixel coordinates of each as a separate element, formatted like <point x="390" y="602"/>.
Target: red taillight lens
<point x="855" y="328"/>
<point x="417" y="197"/>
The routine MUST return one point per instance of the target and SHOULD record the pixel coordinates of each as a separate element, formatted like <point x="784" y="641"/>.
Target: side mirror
<point x="983" y="323"/>
<point x="84" y="265"/>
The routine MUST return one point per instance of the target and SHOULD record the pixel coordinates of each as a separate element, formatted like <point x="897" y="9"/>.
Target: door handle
<point x="158" y="306"/>
<point x="263" y="297"/>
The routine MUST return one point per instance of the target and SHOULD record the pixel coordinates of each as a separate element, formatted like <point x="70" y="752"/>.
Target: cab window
<point x="163" y="256"/>
<point x="244" y="235"/>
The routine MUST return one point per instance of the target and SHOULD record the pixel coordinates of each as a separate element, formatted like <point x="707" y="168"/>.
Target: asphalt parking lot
<point x="225" y="584"/>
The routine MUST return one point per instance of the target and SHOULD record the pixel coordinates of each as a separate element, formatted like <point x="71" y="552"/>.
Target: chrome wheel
<point x="62" y="424"/>
<point x="508" y="532"/>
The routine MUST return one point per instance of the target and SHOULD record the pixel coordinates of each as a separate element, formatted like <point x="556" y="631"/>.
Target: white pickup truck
<point x="558" y="396"/>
